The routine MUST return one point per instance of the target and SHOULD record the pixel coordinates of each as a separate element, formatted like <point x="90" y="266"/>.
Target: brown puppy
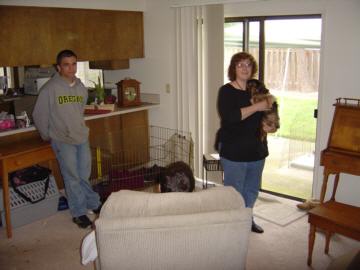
<point x="258" y="93"/>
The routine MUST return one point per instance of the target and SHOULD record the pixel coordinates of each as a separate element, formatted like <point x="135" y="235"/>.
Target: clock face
<point x="130" y="93"/>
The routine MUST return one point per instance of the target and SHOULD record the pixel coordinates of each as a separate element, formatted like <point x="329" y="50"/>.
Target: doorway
<point x="287" y="49"/>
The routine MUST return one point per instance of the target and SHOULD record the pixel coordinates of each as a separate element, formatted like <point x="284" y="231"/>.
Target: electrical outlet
<point x="167" y="88"/>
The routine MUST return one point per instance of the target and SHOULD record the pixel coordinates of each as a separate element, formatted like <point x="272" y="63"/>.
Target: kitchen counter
<point x="103" y="132"/>
<point x="117" y="111"/>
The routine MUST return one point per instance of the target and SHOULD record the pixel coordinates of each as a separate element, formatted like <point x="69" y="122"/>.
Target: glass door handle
<point x="315" y="113"/>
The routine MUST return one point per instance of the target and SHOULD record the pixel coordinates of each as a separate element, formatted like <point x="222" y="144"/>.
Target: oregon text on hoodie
<point x="59" y="109"/>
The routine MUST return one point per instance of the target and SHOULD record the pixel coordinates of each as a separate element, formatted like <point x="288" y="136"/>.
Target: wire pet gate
<point x="135" y="158"/>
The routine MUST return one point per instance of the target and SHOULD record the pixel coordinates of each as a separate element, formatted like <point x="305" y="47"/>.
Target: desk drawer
<point x="27" y="159"/>
<point x="338" y="162"/>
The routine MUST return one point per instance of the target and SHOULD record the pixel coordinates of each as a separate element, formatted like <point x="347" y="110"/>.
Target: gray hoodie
<point x="59" y="109"/>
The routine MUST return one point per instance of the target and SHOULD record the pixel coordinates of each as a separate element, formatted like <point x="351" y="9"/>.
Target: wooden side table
<point x="18" y="156"/>
<point x="333" y="217"/>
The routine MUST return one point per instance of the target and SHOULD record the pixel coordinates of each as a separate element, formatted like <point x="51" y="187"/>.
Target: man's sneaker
<point x="82" y="221"/>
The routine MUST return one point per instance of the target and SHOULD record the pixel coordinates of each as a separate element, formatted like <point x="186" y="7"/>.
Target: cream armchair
<point x="172" y="231"/>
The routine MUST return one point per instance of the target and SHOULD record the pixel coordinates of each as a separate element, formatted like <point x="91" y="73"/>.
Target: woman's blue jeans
<point x="75" y="166"/>
<point x="245" y="177"/>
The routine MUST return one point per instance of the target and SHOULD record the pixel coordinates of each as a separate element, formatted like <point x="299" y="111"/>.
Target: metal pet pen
<point x="134" y="158"/>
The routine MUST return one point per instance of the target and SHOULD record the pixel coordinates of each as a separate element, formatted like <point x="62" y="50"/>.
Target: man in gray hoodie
<point x="58" y="116"/>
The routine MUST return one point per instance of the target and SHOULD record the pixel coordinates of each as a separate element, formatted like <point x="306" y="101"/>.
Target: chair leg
<point x="311" y="243"/>
<point x="327" y="241"/>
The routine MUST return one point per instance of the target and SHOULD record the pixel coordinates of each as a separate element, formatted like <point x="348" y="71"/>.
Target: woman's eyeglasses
<point x="244" y="65"/>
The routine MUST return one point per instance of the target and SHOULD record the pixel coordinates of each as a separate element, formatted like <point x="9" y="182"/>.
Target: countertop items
<point x="117" y="111"/>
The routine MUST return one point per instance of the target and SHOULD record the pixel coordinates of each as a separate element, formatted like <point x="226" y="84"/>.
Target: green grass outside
<point x="296" y="118"/>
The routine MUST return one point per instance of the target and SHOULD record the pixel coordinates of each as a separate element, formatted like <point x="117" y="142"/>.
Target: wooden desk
<point x="18" y="156"/>
<point x="342" y="155"/>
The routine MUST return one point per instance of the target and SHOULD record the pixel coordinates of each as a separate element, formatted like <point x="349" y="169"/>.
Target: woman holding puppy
<point x="241" y="150"/>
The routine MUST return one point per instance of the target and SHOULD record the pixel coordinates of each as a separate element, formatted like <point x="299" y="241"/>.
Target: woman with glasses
<point x="241" y="150"/>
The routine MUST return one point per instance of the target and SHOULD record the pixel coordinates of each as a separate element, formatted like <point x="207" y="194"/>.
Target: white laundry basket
<point x="23" y="212"/>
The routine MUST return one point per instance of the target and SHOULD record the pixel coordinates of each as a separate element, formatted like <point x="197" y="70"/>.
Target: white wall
<point x="340" y="65"/>
<point x="214" y="75"/>
<point x="158" y="67"/>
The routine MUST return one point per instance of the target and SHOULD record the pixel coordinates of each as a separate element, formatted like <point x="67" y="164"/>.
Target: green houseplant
<point x="99" y="91"/>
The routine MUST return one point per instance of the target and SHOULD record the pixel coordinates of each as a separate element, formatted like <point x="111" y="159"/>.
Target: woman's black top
<point x="240" y="139"/>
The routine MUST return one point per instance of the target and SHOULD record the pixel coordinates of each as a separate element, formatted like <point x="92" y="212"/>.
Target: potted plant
<point x="99" y="99"/>
<point x="99" y="91"/>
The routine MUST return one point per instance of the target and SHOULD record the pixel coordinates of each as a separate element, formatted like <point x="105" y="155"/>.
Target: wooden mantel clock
<point x="128" y="92"/>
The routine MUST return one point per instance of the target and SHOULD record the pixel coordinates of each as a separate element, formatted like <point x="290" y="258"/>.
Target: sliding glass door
<point x="288" y="52"/>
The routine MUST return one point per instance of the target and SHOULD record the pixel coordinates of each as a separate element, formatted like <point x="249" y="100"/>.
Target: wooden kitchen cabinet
<point x="104" y="133"/>
<point x="135" y="137"/>
<point x="120" y="133"/>
<point x="110" y="64"/>
<point x="34" y="35"/>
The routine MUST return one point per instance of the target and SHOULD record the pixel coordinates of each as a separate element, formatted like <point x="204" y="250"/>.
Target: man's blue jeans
<point x="245" y="177"/>
<point x="75" y="166"/>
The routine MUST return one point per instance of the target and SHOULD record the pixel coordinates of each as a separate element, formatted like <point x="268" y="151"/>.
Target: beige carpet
<point x="277" y="210"/>
<point x="54" y="243"/>
<point x="51" y="243"/>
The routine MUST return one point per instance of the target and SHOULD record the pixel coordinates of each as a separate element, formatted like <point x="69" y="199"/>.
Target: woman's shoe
<point x="256" y="228"/>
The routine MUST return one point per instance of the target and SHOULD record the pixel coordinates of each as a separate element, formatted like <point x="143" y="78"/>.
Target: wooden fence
<point x="292" y="69"/>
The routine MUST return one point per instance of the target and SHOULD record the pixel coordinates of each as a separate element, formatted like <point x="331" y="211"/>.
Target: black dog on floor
<point x="177" y="177"/>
